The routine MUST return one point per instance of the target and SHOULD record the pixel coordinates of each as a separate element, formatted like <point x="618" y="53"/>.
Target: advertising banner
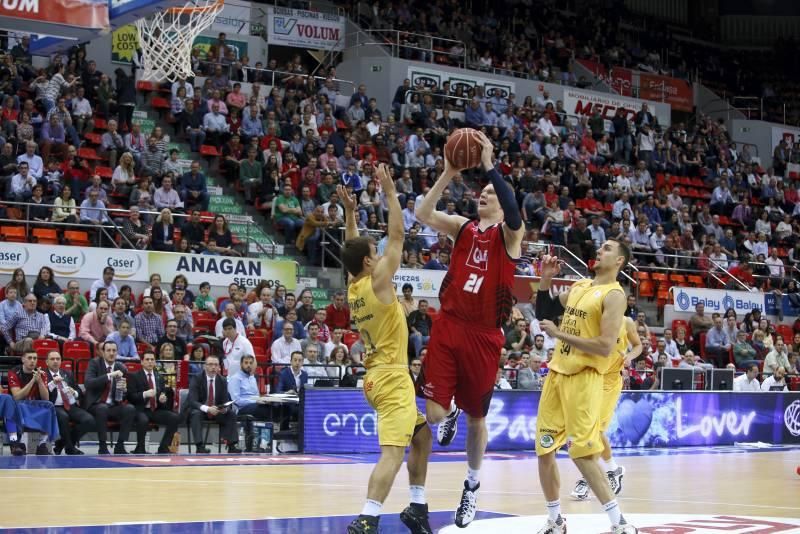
<point x="784" y="133"/>
<point x="204" y="43"/>
<point x="676" y="92"/>
<point x="341" y="421"/>
<point x="426" y="282"/>
<point x="234" y="18"/>
<point x="224" y="270"/>
<point x="584" y="103"/>
<point x="305" y="29"/>
<point x="717" y="300"/>
<point x="80" y="13"/>
<point x="124" y="42"/>
<point x="138" y="265"/>
<point x="788" y="304"/>
<point x="430" y="78"/>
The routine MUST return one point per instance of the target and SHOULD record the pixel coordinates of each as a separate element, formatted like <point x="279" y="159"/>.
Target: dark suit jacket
<point x="286" y="380"/>
<point x="69" y="381"/>
<point x="198" y="391"/>
<point x="97" y="378"/>
<point x="158" y="237"/>
<point x="137" y="385"/>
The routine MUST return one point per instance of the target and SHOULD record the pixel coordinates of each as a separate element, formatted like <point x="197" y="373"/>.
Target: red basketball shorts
<point x="461" y="362"/>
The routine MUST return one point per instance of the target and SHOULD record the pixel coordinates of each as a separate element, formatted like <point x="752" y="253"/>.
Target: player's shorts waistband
<point x="387" y="367"/>
<point x="466" y="324"/>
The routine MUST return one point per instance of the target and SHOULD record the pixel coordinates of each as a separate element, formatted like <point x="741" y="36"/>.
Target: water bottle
<point x="119" y="392"/>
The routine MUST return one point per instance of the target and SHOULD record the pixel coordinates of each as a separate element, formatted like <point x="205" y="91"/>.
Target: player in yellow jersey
<point x="572" y="396"/>
<point x="629" y="347"/>
<point x="379" y="317"/>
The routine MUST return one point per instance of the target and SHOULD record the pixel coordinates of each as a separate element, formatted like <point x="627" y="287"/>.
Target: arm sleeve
<point x="548" y="307"/>
<point x="505" y="195"/>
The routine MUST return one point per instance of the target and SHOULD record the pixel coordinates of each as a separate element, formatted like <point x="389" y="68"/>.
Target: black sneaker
<point x="74" y="451"/>
<point x="202" y="449"/>
<point x="468" y="505"/>
<point x="18" y="448"/>
<point x="43" y="450"/>
<point x="103" y="449"/>
<point x="448" y="428"/>
<point x="364" y="524"/>
<point x="415" y="517"/>
<point x="58" y="446"/>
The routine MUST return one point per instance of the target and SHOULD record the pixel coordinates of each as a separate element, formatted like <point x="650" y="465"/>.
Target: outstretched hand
<point x="348" y="200"/>
<point x="385" y="178"/>
<point x="550" y="266"/>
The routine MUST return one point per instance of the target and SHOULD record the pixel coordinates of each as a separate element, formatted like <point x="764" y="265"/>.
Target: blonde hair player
<point x="572" y="396"/>
<point x="629" y="347"/>
<point x="388" y="388"/>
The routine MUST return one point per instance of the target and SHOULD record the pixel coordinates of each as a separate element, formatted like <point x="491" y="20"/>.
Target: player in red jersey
<point x="466" y="338"/>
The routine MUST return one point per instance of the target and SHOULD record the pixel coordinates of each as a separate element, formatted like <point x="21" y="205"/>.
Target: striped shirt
<point x="22" y="323"/>
<point x="149" y="327"/>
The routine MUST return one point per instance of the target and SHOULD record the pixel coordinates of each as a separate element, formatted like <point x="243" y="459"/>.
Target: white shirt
<point x="234" y="351"/>
<point x="81" y="106"/>
<point x="218" y="327"/>
<point x="671" y="350"/>
<point x="314" y="371"/>
<point x="253" y="312"/>
<point x="775" y="266"/>
<point x="282" y="350"/>
<point x="770" y="382"/>
<point x="741" y="383"/>
<point x="113" y="292"/>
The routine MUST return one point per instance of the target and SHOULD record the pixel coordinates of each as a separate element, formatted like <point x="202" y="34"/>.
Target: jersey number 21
<point x="474" y="283"/>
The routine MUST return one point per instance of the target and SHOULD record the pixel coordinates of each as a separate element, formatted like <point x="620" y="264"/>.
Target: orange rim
<point x="191" y="10"/>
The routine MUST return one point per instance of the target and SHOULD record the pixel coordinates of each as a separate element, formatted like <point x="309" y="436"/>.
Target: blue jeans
<point x="419" y="341"/>
<point x="290" y="227"/>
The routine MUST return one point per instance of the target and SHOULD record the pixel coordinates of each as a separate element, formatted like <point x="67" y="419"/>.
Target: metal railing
<point x="273" y="73"/>
<point x="721" y="269"/>
<point x="397" y="41"/>
<point x="112" y="224"/>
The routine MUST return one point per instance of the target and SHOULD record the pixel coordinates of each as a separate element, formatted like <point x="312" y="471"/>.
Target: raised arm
<point x="349" y="203"/>
<point x="426" y="211"/>
<point x="393" y="253"/>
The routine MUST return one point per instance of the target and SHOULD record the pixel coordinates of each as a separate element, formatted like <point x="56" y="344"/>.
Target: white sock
<point x="611" y="465"/>
<point x="44" y="439"/>
<point x="13" y="437"/>
<point x="472" y="477"/>
<point x="453" y="408"/>
<point x="372" y="508"/>
<point x="613" y="511"/>
<point x="417" y="494"/>
<point x="554" y="510"/>
<point x="24" y="438"/>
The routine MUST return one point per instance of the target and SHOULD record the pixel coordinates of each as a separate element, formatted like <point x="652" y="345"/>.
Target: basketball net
<point x="167" y="36"/>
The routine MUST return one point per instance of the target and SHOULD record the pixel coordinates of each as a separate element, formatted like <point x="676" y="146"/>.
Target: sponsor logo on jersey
<point x="479" y="254"/>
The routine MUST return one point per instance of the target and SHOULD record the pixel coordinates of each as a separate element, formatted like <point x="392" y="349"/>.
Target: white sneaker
<point x="615" y="479"/>
<point x="468" y="506"/>
<point x="448" y="428"/>
<point x="624" y="529"/>
<point x="581" y="491"/>
<point x="551" y="527"/>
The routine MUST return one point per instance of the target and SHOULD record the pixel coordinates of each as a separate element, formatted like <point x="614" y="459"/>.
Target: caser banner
<point x="305" y="29"/>
<point x="717" y="300"/>
<point x="339" y="420"/>
<point x="137" y="265"/>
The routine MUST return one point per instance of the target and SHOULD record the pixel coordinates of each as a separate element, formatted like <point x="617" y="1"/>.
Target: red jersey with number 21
<point x="478" y="286"/>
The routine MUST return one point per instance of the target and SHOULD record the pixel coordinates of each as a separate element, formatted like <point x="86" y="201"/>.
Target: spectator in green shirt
<point x="204" y="301"/>
<point x="287" y="213"/>
<point x="743" y="352"/>
<point x="76" y="303"/>
<point x="250" y="173"/>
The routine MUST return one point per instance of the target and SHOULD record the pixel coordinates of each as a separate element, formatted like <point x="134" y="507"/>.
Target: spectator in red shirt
<point x="338" y="314"/>
<point x="28" y="386"/>
<point x="743" y="272"/>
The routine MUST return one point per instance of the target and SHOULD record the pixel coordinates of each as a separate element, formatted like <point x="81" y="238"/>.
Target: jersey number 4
<point x="474" y="283"/>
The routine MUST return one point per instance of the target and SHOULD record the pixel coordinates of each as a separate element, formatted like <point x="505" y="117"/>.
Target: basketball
<point x="463" y="149"/>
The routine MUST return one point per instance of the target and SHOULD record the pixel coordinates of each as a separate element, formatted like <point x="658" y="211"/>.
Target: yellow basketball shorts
<point x="612" y="388"/>
<point x="390" y="392"/>
<point x="569" y="411"/>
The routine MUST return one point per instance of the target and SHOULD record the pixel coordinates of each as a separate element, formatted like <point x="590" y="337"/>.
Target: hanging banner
<point x="717" y="300"/>
<point x="466" y="80"/>
<point x="224" y="270"/>
<point x="79" y="13"/>
<point x="784" y="133"/>
<point x="124" y="42"/>
<point x="305" y="29"/>
<point x="426" y="283"/>
<point x="584" y="103"/>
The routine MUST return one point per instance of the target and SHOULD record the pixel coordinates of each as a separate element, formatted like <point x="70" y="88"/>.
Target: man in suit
<point x="207" y="393"/>
<point x="104" y="375"/>
<point x="153" y="401"/>
<point x="65" y="396"/>
<point x="293" y="378"/>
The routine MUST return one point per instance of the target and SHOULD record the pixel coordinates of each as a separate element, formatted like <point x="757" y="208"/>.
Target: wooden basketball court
<point x="58" y="492"/>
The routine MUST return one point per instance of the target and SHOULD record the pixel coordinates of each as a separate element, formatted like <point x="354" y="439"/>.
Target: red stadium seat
<point x="77" y="350"/>
<point x="14" y="234"/>
<point x="45" y="236"/>
<point x="44" y="346"/>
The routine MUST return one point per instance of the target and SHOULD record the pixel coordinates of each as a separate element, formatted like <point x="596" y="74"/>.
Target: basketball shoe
<point x="581" y="491"/>
<point x="363" y="524"/>
<point x="624" y="528"/>
<point x="448" y="428"/>
<point x="468" y="505"/>
<point x="615" y="479"/>
<point x="559" y="526"/>
<point x="415" y="517"/>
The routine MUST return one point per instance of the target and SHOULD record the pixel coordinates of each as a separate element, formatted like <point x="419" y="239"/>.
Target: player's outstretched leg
<point x="380" y="483"/>
<point x="477" y="438"/>
<point x="550" y="481"/>
<point x="415" y="516"/>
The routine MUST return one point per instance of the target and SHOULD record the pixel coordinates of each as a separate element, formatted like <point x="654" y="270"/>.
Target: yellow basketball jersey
<point x="582" y="317"/>
<point x="382" y="326"/>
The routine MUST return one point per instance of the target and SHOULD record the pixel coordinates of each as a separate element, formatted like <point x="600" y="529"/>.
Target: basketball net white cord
<point x="167" y="36"/>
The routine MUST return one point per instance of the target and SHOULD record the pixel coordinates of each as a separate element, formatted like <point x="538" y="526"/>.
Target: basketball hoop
<point x="166" y="38"/>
